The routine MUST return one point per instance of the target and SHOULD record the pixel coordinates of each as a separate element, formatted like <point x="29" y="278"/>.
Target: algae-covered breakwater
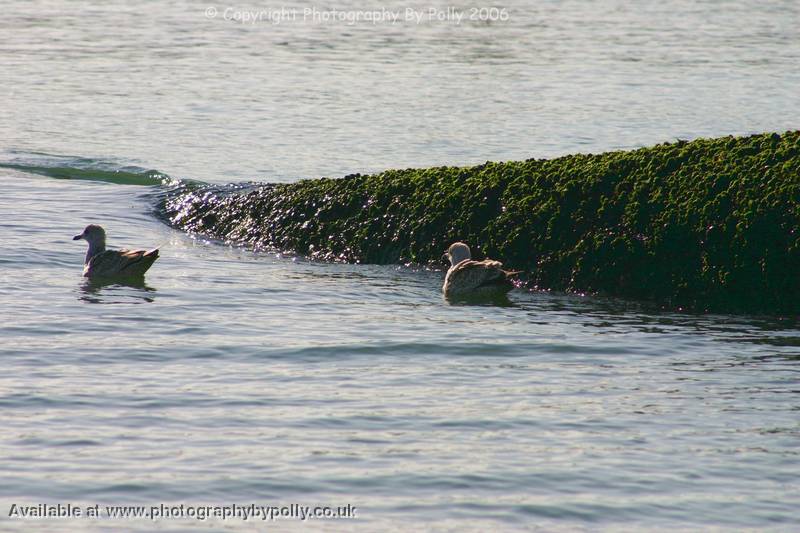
<point x="711" y="224"/>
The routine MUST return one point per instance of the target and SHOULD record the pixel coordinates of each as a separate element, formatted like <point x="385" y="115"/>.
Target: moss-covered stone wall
<point x="709" y="225"/>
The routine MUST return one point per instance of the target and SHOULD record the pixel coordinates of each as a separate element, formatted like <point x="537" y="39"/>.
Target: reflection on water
<point x="121" y="290"/>
<point x="496" y="299"/>
<point x="555" y="78"/>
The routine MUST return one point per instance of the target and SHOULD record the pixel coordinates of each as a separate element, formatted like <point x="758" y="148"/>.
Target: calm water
<point x="234" y="377"/>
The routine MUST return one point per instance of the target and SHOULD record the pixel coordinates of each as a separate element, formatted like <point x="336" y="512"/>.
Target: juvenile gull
<point x="106" y="263"/>
<point x="474" y="278"/>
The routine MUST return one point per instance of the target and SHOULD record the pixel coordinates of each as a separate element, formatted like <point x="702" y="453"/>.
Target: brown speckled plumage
<point x="467" y="277"/>
<point x="120" y="263"/>
<point x="100" y="262"/>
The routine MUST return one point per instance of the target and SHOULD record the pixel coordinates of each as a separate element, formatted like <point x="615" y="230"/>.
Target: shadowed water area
<point x="234" y="376"/>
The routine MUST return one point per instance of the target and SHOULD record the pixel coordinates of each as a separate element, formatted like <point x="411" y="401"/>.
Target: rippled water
<point x="235" y="377"/>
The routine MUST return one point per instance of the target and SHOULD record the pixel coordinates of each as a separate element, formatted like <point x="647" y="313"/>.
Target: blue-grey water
<point x="234" y="377"/>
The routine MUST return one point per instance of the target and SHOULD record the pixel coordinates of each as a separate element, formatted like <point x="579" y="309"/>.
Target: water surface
<point x="238" y="377"/>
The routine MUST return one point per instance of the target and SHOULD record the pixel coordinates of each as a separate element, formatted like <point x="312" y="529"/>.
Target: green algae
<point x="709" y="225"/>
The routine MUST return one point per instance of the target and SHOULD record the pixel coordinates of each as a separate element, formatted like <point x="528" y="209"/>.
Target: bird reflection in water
<point x="118" y="290"/>
<point x="489" y="300"/>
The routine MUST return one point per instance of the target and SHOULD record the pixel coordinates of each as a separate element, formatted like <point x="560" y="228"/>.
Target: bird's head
<point x="457" y="252"/>
<point x="93" y="234"/>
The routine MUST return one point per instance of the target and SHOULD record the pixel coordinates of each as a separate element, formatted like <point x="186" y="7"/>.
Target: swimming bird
<point x="107" y="263"/>
<point x="474" y="278"/>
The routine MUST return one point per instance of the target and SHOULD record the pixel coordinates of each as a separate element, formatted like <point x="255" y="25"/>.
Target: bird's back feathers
<point x="476" y="277"/>
<point x="120" y="263"/>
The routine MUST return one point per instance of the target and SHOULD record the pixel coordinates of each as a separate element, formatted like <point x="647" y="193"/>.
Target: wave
<point x="88" y="169"/>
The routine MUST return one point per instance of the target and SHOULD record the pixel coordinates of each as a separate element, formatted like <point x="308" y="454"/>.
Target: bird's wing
<point x="469" y="275"/>
<point x="115" y="262"/>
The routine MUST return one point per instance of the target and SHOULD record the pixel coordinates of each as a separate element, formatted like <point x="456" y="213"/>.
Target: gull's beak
<point x="77" y="237"/>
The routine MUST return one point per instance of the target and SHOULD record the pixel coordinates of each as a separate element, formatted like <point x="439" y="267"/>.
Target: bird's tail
<point x="155" y="250"/>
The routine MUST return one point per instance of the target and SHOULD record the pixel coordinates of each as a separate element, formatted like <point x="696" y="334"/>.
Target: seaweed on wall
<point x="709" y="225"/>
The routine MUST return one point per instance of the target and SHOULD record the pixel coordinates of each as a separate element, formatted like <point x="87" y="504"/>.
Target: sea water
<point x="231" y="379"/>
